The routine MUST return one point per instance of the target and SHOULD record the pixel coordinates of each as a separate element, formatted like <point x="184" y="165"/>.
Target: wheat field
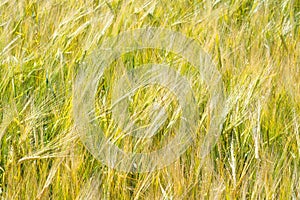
<point x="255" y="45"/>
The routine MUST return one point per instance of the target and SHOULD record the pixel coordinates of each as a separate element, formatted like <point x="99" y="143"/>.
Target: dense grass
<point x="255" y="45"/>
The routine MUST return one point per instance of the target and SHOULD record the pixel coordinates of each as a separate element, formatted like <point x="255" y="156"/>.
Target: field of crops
<point x="254" y="45"/>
